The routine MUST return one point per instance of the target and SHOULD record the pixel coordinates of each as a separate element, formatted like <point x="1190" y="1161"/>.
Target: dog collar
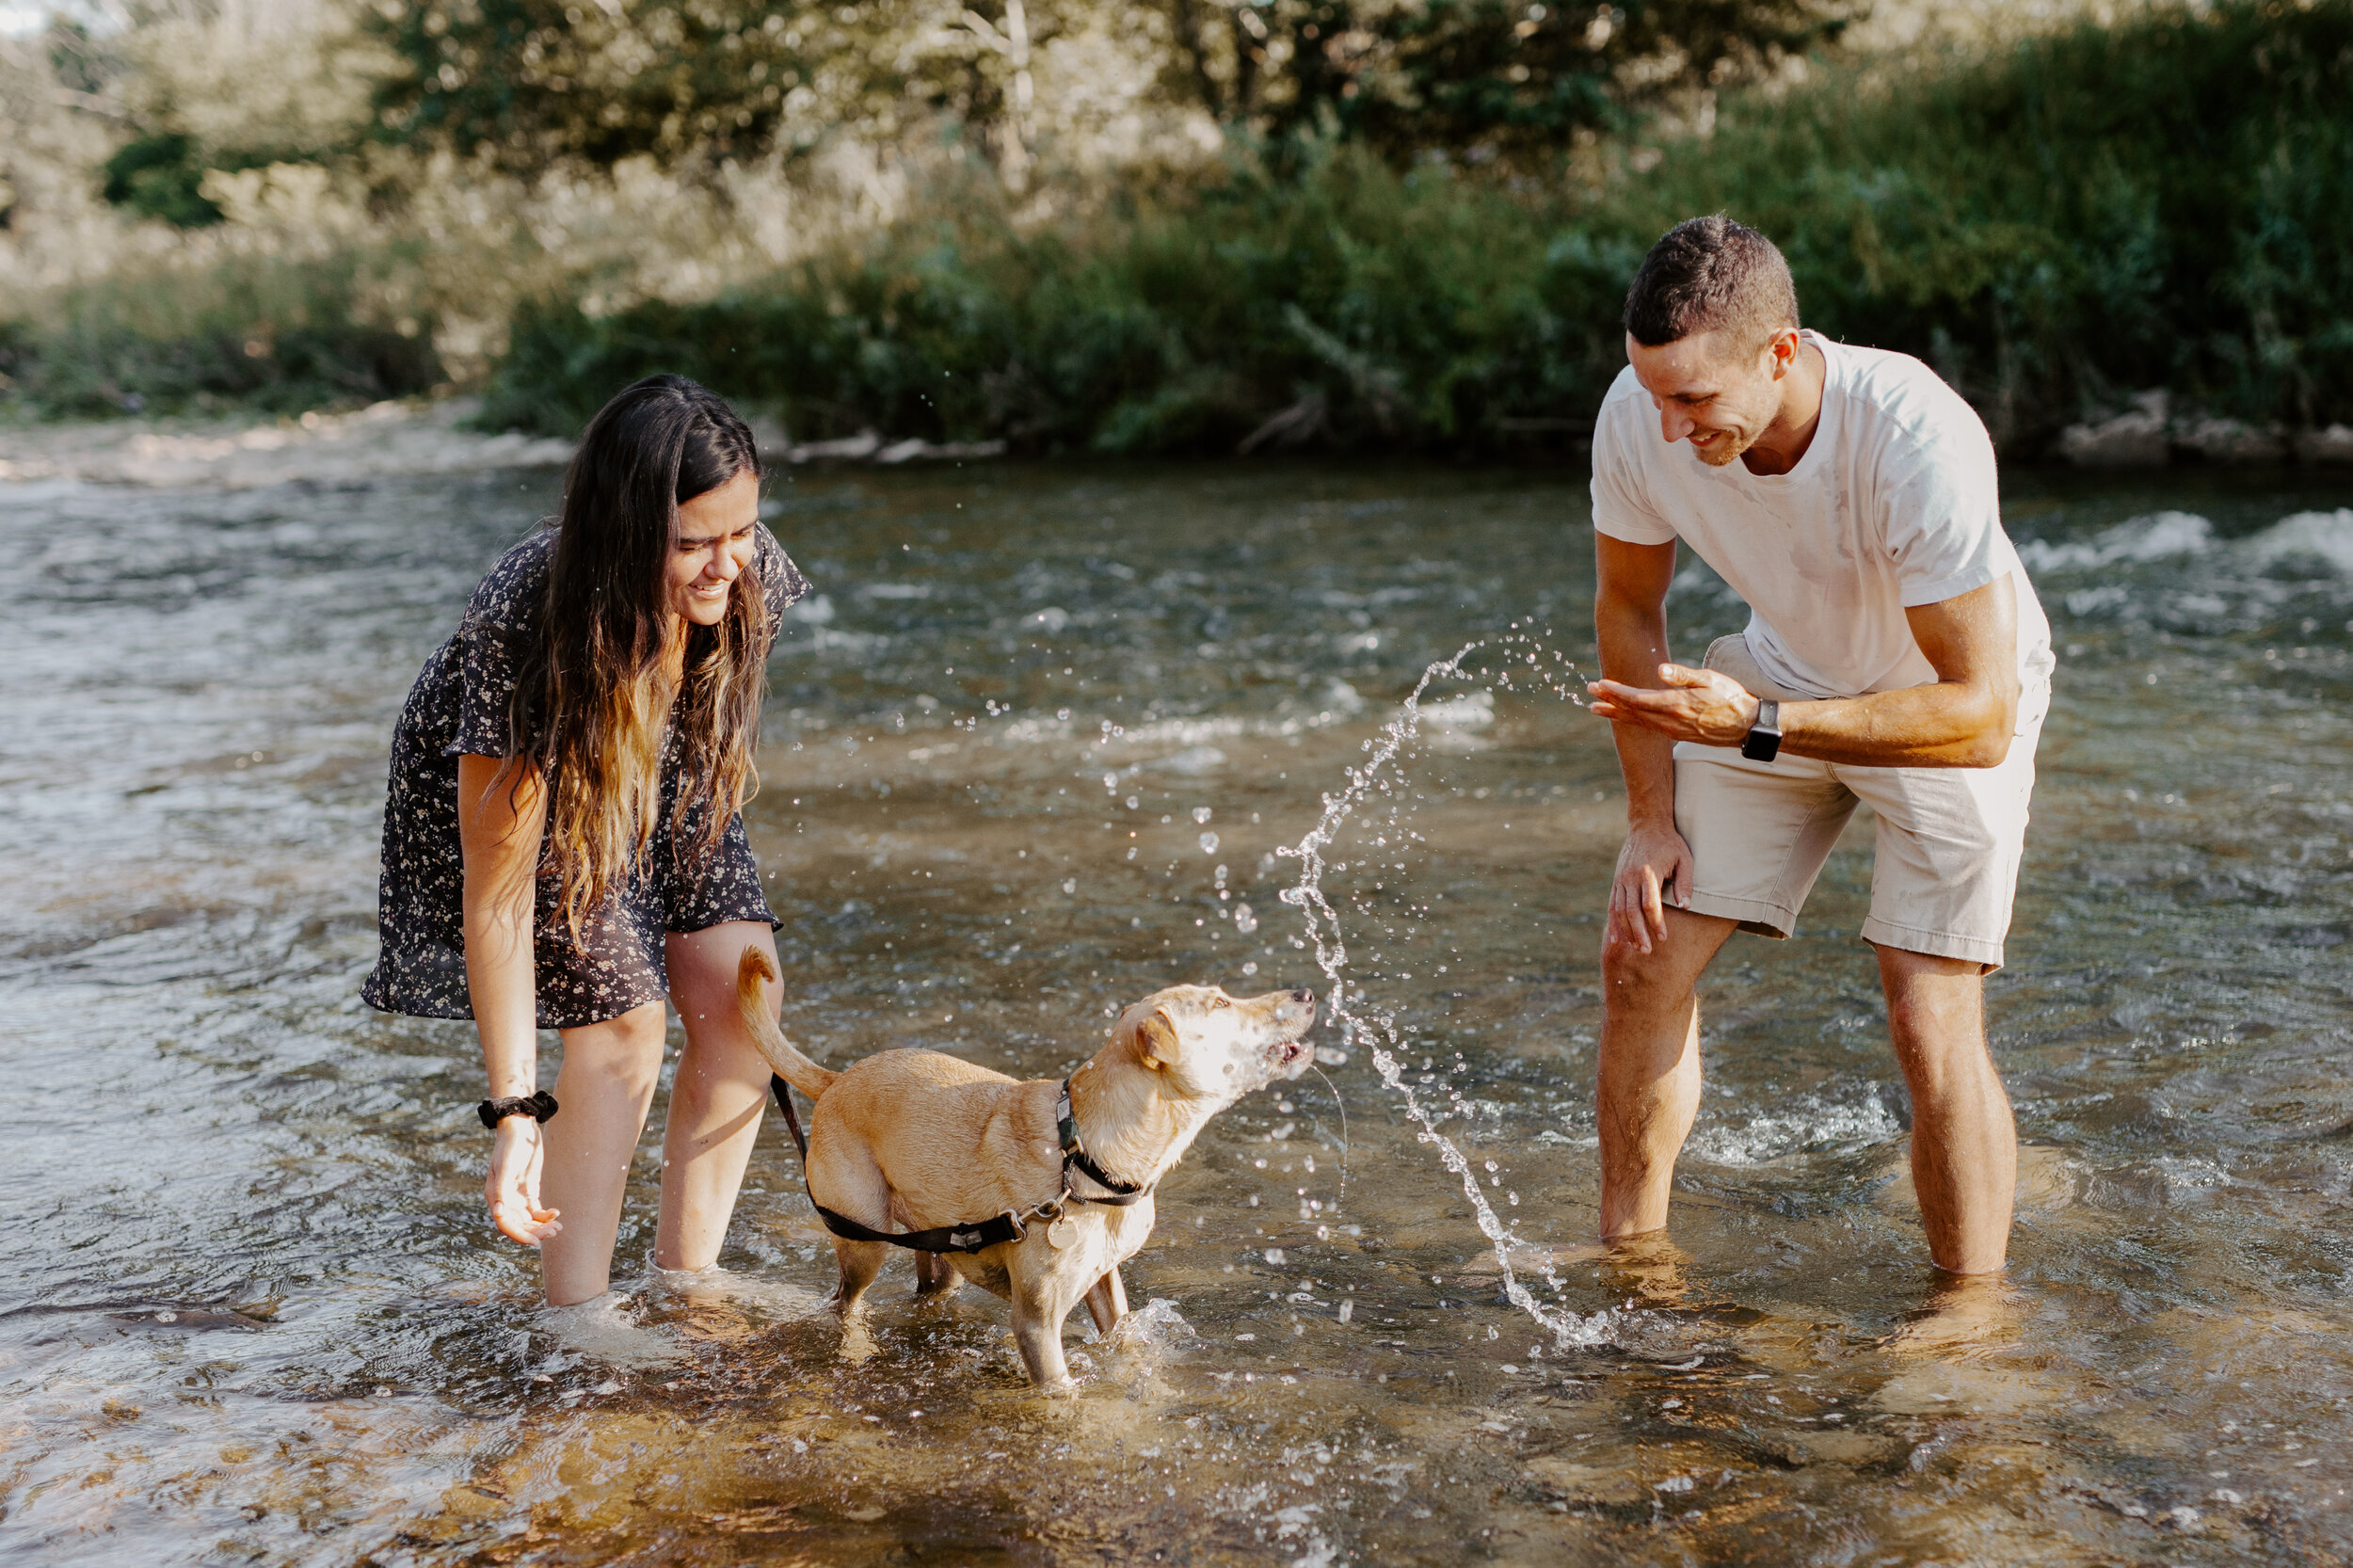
<point x="1074" y="1154"/>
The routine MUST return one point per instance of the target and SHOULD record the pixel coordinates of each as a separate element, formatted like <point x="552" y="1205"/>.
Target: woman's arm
<point x="499" y="825"/>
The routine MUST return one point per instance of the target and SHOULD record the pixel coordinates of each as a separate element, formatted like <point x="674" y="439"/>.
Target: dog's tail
<point x="784" y="1058"/>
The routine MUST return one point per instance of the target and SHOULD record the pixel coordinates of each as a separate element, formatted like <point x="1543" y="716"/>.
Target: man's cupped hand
<point x="1689" y="705"/>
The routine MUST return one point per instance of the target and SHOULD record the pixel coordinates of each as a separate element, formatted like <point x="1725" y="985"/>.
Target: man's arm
<point x="1630" y="624"/>
<point x="1963" y="719"/>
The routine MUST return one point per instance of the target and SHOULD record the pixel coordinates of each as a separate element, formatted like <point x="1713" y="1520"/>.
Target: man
<point x="1894" y="654"/>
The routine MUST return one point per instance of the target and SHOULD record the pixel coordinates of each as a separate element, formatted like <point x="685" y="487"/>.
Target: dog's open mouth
<point x="1291" y="1054"/>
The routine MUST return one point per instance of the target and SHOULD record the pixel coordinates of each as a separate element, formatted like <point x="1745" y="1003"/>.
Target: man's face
<point x="1713" y="394"/>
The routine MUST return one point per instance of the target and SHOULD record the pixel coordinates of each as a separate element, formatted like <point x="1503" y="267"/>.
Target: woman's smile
<point x="712" y="547"/>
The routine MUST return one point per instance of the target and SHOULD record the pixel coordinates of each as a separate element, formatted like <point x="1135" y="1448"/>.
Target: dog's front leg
<point x="1038" y="1330"/>
<point x="1106" y="1302"/>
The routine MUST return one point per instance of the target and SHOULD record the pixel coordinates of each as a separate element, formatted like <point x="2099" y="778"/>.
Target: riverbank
<point x="2058" y="224"/>
<point x="393" y="438"/>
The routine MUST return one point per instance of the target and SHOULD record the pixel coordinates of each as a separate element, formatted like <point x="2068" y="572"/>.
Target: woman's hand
<point x="513" y="1185"/>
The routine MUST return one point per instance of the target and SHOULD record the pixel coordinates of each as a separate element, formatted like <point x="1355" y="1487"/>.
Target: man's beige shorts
<point x="1944" y="871"/>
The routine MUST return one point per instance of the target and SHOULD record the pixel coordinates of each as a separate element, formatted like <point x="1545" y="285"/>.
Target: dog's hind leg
<point x="934" y="1276"/>
<point x="853" y="1186"/>
<point x="1106" y="1302"/>
<point x="860" y="1262"/>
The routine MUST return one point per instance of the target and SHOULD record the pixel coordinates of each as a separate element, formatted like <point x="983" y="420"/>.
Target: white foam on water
<point x="1361" y="1019"/>
<point x="1809" y="1125"/>
<point x="2312" y="535"/>
<point x="603" y="1331"/>
<point x="1157" y="1324"/>
<point x="2157" y="536"/>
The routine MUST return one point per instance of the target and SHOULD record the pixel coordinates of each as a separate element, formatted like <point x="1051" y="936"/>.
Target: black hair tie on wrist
<point x="539" y="1107"/>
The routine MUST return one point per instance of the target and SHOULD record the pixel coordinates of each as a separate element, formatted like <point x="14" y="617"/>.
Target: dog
<point x="917" y="1139"/>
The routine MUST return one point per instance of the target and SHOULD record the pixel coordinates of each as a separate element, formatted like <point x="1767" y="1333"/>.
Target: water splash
<point x="1362" y="1020"/>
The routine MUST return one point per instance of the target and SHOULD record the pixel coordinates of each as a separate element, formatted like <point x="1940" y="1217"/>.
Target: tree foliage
<point x="2169" y="202"/>
<point x="531" y="82"/>
<point x="1517" y="78"/>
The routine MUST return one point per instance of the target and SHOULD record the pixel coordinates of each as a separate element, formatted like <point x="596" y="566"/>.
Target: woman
<point x="562" y="844"/>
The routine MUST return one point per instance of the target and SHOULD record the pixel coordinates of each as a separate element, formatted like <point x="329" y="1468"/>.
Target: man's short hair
<point x="1710" y="275"/>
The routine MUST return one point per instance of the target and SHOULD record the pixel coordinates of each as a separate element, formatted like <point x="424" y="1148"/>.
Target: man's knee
<point x="1638" y="984"/>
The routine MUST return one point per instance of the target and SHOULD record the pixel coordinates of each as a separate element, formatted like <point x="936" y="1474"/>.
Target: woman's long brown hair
<point x="594" y="707"/>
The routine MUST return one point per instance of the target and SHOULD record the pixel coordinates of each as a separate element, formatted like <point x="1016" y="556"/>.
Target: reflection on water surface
<point x="1033" y="749"/>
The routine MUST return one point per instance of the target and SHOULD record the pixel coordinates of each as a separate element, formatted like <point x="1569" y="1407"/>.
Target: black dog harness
<point x="1012" y="1226"/>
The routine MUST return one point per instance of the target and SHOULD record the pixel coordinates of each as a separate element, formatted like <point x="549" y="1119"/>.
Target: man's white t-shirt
<point x="1896" y="504"/>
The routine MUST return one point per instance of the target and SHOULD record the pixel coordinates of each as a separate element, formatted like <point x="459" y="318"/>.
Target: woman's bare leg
<point x="605" y="1085"/>
<point x="716" y="1098"/>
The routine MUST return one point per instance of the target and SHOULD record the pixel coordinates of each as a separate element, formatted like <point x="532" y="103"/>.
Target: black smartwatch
<point x="1763" y="741"/>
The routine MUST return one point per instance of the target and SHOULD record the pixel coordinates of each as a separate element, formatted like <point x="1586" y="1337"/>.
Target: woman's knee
<point x="703" y="967"/>
<point x="623" y="1052"/>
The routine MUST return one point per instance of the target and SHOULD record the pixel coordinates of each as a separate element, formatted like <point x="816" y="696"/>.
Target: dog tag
<point x="1063" y="1232"/>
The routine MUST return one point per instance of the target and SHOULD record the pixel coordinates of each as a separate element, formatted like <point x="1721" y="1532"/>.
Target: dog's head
<point x="1213" y="1046"/>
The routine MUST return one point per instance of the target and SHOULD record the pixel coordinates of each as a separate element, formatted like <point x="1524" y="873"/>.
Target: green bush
<point x="269" y="335"/>
<point x="2166" y="203"/>
<point x="160" y="177"/>
<point x="1364" y="306"/>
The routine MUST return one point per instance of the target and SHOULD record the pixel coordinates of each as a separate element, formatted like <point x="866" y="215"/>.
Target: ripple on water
<point x="1330" y="1365"/>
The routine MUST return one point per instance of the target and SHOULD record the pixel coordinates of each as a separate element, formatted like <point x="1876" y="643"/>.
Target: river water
<point x="1036" y="739"/>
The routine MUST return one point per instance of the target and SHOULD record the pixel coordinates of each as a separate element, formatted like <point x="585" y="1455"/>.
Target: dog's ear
<point x="1156" y="1040"/>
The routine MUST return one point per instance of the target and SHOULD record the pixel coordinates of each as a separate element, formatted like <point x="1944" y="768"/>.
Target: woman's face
<point x="713" y="546"/>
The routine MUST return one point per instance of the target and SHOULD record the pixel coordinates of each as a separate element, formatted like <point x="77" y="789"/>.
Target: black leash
<point x="1012" y="1226"/>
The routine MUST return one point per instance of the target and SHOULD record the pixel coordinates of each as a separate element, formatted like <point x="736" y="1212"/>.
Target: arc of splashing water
<point x="1378" y="1030"/>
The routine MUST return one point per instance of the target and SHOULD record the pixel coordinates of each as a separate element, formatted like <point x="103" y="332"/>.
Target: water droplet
<point x="1245" y="922"/>
<point x="1208" y="844"/>
<point x="1070" y="885"/>
<point x="1200" y="813"/>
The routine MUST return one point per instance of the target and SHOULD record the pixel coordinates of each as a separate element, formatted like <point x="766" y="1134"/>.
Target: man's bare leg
<point x="1648" y="1078"/>
<point x="1965" y="1146"/>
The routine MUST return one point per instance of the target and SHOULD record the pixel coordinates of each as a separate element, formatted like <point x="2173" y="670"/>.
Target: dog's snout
<point x="1302" y="994"/>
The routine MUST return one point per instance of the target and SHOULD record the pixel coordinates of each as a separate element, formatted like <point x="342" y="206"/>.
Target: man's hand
<point x="513" y="1184"/>
<point x="1654" y="861"/>
<point x="1694" y="705"/>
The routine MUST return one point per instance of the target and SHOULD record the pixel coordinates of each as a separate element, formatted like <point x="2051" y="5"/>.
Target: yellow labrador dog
<point x="1034" y="1191"/>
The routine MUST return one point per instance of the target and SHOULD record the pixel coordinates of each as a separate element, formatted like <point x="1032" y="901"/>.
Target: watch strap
<point x="1763" y="741"/>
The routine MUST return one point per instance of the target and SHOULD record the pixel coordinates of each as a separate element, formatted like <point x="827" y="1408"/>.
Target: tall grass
<point x="273" y="335"/>
<point x="2164" y="202"/>
<point x="1351" y="306"/>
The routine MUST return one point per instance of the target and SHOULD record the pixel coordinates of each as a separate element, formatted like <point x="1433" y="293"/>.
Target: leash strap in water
<point x="1012" y="1226"/>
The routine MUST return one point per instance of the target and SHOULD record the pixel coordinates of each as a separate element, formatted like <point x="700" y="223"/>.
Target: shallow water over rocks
<point x="254" y="1313"/>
